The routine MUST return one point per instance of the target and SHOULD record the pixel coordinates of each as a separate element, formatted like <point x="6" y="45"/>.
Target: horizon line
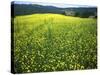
<point x="51" y="4"/>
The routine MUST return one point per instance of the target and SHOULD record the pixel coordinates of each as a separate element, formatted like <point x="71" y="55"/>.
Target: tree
<point x="69" y="13"/>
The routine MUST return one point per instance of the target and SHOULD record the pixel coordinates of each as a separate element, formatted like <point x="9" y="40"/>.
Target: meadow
<point x="54" y="42"/>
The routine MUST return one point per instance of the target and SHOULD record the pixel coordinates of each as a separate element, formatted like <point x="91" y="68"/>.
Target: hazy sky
<point x="73" y="2"/>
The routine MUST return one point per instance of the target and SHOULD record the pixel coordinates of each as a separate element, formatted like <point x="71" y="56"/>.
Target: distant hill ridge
<point x="24" y="8"/>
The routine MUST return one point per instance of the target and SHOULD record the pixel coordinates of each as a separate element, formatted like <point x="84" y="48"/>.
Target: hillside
<point x="25" y="9"/>
<point x="54" y="42"/>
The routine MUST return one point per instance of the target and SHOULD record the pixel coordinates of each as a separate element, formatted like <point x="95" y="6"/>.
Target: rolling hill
<point x="29" y="8"/>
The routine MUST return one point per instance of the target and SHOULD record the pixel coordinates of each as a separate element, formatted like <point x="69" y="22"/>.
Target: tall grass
<point x="52" y="42"/>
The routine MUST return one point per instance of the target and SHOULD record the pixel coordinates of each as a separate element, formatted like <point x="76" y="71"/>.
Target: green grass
<point x="52" y="42"/>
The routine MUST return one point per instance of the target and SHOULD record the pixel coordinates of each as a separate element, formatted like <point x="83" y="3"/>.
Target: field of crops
<point x="52" y="42"/>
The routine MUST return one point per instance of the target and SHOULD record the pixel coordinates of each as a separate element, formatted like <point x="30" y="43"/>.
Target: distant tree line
<point x="24" y="9"/>
<point x="84" y="14"/>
